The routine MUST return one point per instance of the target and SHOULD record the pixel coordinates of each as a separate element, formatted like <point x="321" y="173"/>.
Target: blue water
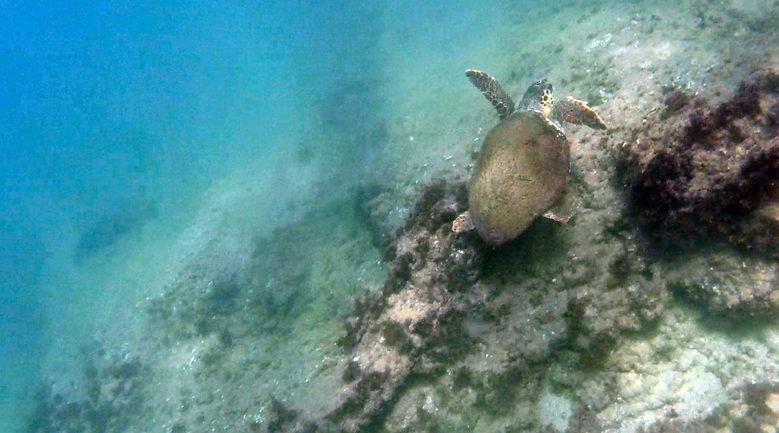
<point x="113" y="114"/>
<point x="106" y="106"/>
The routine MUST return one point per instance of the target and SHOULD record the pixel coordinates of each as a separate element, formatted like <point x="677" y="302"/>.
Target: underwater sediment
<point x="703" y="182"/>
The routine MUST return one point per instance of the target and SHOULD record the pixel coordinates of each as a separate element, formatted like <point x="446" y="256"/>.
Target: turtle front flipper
<point x="492" y="90"/>
<point x="575" y="111"/>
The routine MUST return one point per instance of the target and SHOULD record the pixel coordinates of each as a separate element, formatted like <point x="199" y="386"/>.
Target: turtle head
<point x="538" y="97"/>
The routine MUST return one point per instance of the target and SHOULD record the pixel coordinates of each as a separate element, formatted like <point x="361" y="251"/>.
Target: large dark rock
<point x="698" y="169"/>
<point x="703" y="182"/>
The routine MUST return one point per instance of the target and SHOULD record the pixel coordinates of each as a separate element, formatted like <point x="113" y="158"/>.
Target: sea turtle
<point x="522" y="169"/>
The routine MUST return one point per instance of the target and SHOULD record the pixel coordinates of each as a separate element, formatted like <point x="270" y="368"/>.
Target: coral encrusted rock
<point x="703" y="184"/>
<point x="697" y="169"/>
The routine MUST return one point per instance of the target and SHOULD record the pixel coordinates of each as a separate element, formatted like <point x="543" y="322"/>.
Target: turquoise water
<point x="116" y="117"/>
<point x="181" y="188"/>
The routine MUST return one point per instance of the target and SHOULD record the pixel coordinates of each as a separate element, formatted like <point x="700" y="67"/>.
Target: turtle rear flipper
<point x="493" y="91"/>
<point x="575" y="111"/>
<point x="564" y="209"/>
<point x="554" y="216"/>
<point x="463" y="223"/>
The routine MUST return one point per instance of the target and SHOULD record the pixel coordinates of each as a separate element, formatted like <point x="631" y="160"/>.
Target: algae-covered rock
<point x="702" y="182"/>
<point x="107" y="396"/>
<point x="727" y="282"/>
<point x="696" y="169"/>
<point x="413" y="327"/>
<point x="753" y="407"/>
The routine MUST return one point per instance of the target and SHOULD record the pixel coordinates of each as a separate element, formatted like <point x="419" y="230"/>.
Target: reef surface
<point x="357" y="309"/>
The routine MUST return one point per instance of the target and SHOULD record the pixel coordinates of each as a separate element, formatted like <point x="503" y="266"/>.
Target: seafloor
<point x="333" y="296"/>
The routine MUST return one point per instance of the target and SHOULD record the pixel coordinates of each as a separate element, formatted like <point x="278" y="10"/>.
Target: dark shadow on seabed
<point x="126" y="218"/>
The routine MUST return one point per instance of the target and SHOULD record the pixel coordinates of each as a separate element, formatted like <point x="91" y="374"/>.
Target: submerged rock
<point x="703" y="183"/>
<point x="412" y="328"/>
<point x="697" y="169"/>
<point x="752" y="407"/>
<point x="107" y="396"/>
<point x="462" y="335"/>
<point x="727" y="282"/>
